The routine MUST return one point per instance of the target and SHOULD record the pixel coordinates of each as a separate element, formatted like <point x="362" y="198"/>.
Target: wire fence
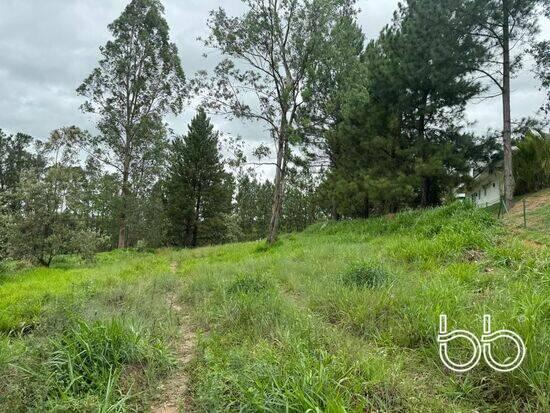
<point x="503" y="209"/>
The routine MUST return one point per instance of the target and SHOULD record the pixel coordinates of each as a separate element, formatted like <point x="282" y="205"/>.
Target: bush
<point x="87" y="243"/>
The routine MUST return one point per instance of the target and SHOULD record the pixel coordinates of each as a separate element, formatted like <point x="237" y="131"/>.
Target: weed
<point x="289" y="328"/>
<point x="249" y="285"/>
<point x="365" y="274"/>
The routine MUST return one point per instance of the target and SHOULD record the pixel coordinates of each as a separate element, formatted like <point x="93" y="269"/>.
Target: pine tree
<point x="399" y="146"/>
<point x="198" y="190"/>
<point x="502" y="25"/>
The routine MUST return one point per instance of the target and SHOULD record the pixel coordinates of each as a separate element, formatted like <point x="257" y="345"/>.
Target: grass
<point x="340" y="318"/>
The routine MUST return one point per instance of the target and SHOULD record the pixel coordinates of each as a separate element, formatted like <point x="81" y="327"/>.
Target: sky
<point x="48" y="47"/>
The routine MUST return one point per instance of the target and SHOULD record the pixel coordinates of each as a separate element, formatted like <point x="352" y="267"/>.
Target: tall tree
<point x="270" y="53"/>
<point x="252" y="206"/>
<point x="199" y="191"/>
<point x="398" y="144"/>
<point x="15" y="157"/>
<point x="503" y="27"/>
<point x="339" y="83"/>
<point x="51" y="219"/>
<point x="138" y="81"/>
<point x="435" y="54"/>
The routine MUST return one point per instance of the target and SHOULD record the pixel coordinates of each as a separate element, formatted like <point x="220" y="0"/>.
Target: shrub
<point x="141" y="246"/>
<point x="87" y="243"/>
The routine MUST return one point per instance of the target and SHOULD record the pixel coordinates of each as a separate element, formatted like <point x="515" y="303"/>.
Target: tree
<point x="47" y="225"/>
<point x="15" y="158"/>
<point x="340" y="82"/>
<point x="532" y="160"/>
<point x="435" y="54"/>
<point x="138" y="81"/>
<point x="502" y="26"/>
<point x="270" y="52"/>
<point x="198" y="190"/>
<point x="51" y="219"/>
<point x="398" y="144"/>
<point x="300" y="208"/>
<point x="253" y="207"/>
<point x="542" y="60"/>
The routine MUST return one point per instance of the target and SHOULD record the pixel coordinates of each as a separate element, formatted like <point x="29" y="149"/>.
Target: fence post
<point x="524" y="215"/>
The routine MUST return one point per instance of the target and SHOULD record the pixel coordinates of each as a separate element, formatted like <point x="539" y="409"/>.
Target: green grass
<point x="342" y="317"/>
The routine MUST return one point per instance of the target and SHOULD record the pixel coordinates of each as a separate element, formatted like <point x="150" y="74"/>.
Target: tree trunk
<point x="197" y="217"/>
<point x="366" y="208"/>
<point x="507" y="121"/>
<point x="425" y="191"/>
<point x="425" y="196"/>
<point x="122" y="217"/>
<point x="278" y="194"/>
<point x="122" y="230"/>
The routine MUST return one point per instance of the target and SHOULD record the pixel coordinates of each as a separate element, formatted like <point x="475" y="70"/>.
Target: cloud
<point x="49" y="47"/>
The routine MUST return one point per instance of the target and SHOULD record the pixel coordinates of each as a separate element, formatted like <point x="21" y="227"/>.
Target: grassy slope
<point x="284" y="328"/>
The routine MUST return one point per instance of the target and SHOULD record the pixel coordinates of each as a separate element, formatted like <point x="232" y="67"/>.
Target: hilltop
<point x="341" y="317"/>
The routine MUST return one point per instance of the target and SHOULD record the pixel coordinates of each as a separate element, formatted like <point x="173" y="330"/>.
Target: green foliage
<point x="49" y="224"/>
<point x="141" y="246"/>
<point x="142" y="69"/>
<point x="399" y="144"/>
<point x="365" y="274"/>
<point x="532" y="163"/>
<point x="542" y="69"/>
<point x="83" y="355"/>
<point x="279" y="74"/>
<point x="15" y="158"/>
<point x="282" y="328"/>
<point x="88" y="358"/>
<point x="246" y="284"/>
<point x="198" y="191"/>
<point x="253" y="207"/>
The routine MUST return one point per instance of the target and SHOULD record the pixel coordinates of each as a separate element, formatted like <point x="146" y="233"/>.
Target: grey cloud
<point x="47" y="47"/>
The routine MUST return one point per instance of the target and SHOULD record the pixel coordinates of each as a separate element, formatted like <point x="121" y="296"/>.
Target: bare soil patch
<point x="173" y="394"/>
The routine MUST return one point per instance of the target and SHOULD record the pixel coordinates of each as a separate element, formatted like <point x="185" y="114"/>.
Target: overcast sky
<point x="47" y="47"/>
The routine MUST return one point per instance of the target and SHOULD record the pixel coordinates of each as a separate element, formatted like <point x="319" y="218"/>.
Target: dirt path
<point x="174" y="392"/>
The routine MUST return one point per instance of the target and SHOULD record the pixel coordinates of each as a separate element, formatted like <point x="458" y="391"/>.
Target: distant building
<point x="487" y="187"/>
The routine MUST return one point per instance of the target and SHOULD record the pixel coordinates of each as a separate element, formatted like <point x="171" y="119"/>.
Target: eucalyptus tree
<point x="504" y="27"/>
<point x="15" y="157"/>
<point x="270" y="53"/>
<point x="139" y="80"/>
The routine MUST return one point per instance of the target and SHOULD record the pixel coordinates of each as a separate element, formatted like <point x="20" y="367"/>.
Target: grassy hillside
<point x="342" y="317"/>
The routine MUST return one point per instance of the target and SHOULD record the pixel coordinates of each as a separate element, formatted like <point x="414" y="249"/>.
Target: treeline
<point x="55" y="204"/>
<point x="358" y="129"/>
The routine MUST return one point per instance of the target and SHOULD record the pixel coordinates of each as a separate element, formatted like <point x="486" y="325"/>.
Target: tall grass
<point x="343" y="317"/>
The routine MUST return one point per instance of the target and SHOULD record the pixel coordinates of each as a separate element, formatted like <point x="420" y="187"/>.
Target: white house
<point x="487" y="188"/>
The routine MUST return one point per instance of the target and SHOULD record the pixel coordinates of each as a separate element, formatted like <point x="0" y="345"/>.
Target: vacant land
<point x="342" y="317"/>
